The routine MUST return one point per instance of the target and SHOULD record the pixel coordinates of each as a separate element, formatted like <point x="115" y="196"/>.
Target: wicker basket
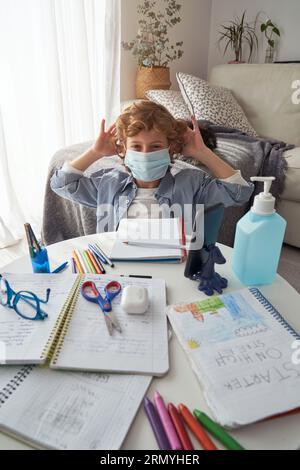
<point x="152" y="78"/>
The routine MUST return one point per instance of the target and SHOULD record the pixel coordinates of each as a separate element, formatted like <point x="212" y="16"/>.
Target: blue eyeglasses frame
<point x="27" y="296"/>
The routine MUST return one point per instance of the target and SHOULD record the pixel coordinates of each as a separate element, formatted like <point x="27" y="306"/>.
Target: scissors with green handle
<point x="90" y="292"/>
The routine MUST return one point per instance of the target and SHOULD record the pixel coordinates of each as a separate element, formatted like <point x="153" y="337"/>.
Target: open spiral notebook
<point x="69" y="410"/>
<point x="241" y="350"/>
<point x="74" y="336"/>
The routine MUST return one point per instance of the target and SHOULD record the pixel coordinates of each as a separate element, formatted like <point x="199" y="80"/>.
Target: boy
<point x="146" y="137"/>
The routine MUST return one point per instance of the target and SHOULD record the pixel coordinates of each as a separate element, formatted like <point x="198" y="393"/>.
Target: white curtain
<point x="59" y="75"/>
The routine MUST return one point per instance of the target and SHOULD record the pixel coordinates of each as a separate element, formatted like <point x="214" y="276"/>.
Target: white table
<point x="180" y="384"/>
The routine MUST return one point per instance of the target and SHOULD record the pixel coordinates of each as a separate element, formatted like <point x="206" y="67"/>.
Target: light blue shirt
<point x="112" y="191"/>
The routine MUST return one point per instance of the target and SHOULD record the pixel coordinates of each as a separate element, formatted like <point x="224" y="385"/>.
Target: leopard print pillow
<point x="213" y="103"/>
<point x="172" y="101"/>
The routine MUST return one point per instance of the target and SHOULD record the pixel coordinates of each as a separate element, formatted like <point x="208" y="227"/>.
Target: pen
<point x="167" y="422"/>
<point x="217" y="431"/>
<point x="179" y="426"/>
<point x="196" y="428"/>
<point x="97" y="252"/>
<point x="156" y="425"/>
<point x="97" y="258"/>
<point x="111" y="264"/>
<point x="60" y="268"/>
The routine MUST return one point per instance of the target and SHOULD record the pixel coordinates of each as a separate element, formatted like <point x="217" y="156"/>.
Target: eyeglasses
<point x="25" y="303"/>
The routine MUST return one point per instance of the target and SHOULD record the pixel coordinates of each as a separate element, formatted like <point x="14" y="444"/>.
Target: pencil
<point x="94" y="262"/>
<point x="73" y="264"/>
<point x="90" y="264"/>
<point x="83" y="261"/>
<point x="98" y="259"/>
<point x="196" y="428"/>
<point x="79" y="265"/>
<point x="33" y="237"/>
<point x="217" y="431"/>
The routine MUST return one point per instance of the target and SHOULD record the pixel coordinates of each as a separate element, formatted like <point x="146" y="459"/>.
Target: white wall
<point x="286" y="14"/>
<point x="194" y="30"/>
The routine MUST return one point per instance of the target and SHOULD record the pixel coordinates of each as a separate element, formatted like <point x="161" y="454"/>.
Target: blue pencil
<point x="97" y="252"/>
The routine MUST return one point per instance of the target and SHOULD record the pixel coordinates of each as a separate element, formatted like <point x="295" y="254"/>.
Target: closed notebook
<point x="69" y="410"/>
<point x="240" y="348"/>
<point x="153" y="231"/>
<point x="74" y="336"/>
<point x="141" y="347"/>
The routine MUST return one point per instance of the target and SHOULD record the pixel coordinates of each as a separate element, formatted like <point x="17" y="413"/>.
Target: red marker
<point x="179" y="426"/>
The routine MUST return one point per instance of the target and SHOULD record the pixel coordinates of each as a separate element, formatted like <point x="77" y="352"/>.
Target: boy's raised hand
<point x="105" y="143"/>
<point x="194" y="145"/>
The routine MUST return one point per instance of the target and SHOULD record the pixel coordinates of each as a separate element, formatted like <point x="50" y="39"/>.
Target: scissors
<point x="90" y="292"/>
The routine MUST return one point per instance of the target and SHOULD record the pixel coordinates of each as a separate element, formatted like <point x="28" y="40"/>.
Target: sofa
<point x="265" y="93"/>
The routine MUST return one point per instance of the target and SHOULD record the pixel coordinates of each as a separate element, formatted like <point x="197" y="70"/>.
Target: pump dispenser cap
<point x="264" y="202"/>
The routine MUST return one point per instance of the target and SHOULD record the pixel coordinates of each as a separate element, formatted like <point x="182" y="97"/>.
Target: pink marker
<point x="167" y="422"/>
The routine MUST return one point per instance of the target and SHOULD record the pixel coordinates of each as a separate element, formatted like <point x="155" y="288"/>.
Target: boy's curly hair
<point x="147" y="115"/>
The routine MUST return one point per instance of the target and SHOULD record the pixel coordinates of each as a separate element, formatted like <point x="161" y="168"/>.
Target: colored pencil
<point x="179" y="426"/>
<point x="217" y="431"/>
<point x="78" y="262"/>
<point x="196" y="428"/>
<point x="83" y="261"/>
<point x="94" y="262"/>
<point x="156" y="424"/>
<point x="167" y="422"/>
<point x="73" y="264"/>
<point x="89" y="263"/>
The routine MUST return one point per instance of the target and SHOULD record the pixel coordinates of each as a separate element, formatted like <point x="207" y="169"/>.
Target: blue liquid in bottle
<point x="258" y="240"/>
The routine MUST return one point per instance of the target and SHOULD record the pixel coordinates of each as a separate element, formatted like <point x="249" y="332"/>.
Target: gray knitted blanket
<point x="63" y="219"/>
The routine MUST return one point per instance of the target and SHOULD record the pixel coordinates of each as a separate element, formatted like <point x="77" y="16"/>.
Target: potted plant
<point x="269" y="29"/>
<point x="235" y="35"/>
<point x="152" y="46"/>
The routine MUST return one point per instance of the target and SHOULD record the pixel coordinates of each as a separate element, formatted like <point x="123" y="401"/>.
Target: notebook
<point x="69" y="410"/>
<point x="240" y="348"/>
<point x="153" y="231"/>
<point x="31" y="341"/>
<point x="75" y="336"/>
<point x="142" y="347"/>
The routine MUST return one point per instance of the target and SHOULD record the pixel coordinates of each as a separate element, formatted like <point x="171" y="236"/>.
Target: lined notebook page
<point x="142" y="347"/>
<point x="73" y="410"/>
<point x="242" y="355"/>
<point x="23" y="341"/>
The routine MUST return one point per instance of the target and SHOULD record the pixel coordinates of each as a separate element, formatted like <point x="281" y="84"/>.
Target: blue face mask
<point x="149" y="166"/>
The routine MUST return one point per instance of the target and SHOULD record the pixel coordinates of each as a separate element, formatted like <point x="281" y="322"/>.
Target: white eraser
<point x="135" y="299"/>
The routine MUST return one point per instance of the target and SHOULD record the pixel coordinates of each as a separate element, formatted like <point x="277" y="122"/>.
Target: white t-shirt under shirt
<point x="144" y="205"/>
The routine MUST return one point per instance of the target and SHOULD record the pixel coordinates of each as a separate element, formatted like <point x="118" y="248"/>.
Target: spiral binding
<point x="14" y="383"/>
<point x="59" y="324"/>
<point x="272" y="310"/>
<point x="65" y="325"/>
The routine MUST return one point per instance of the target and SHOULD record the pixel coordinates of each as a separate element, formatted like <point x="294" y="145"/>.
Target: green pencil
<point x="217" y="431"/>
<point x="89" y="263"/>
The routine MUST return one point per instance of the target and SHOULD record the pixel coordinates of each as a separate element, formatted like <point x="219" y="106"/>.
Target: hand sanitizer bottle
<point x="258" y="239"/>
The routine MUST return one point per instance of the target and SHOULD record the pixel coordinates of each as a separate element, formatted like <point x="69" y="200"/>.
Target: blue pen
<point x="97" y="253"/>
<point x="60" y="268"/>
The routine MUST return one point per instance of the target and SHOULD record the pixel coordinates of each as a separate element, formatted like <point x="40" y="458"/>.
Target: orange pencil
<point x="196" y="428"/>
<point x="78" y="264"/>
<point x="90" y="255"/>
